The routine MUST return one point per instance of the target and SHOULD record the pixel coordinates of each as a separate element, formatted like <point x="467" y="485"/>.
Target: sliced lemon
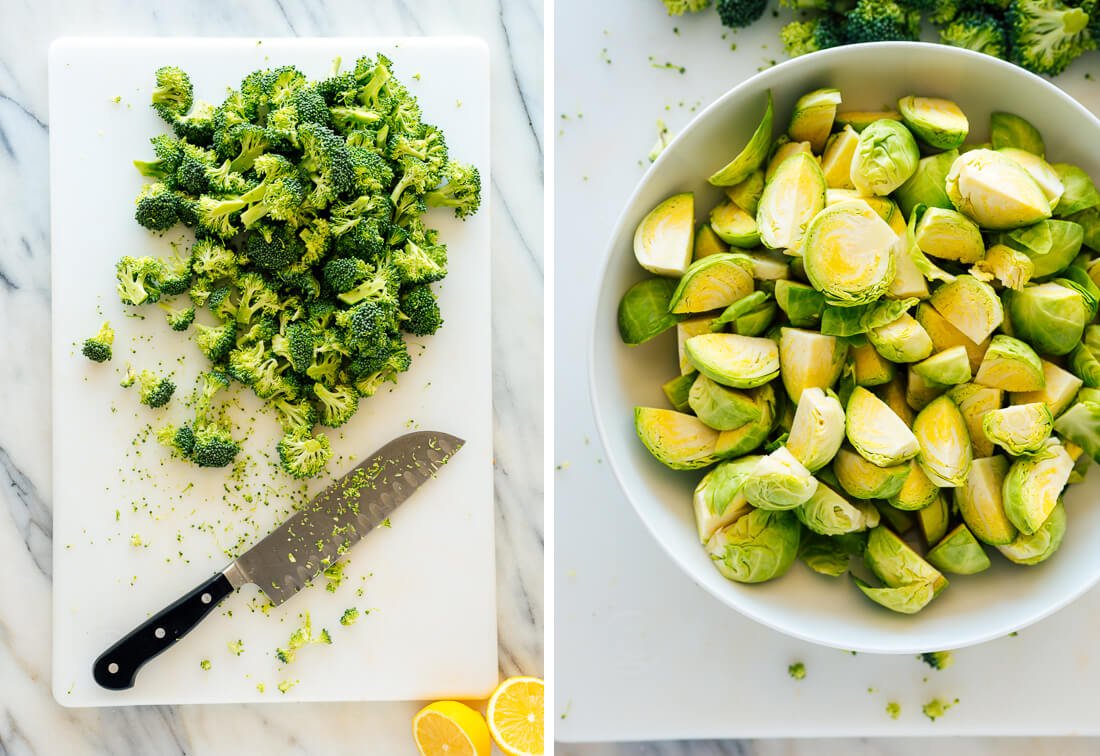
<point x="516" y="716"/>
<point x="448" y="728"/>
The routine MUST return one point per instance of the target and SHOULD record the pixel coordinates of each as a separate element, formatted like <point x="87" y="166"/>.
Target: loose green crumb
<point x="386" y="523"/>
<point x="936" y="708"/>
<point x="116" y="99"/>
<point x="236" y="647"/>
<point x="334" y="576"/>
<point x="349" y="617"/>
<point x="260" y="687"/>
<point x="663" y="139"/>
<point x="286" y="685"/>
<point x="118" y="515"/>
<point x="300" y="637"/>
<point x="893" y="709"/>
<point x="205" y="664"/>
<point x="605" y="57"/>
<point x="666" y="65"/>
<point x="135" y="540"/>
<point x="937" y="659"/>
<point x="797" y="671"/>
<point x="1013" y="634"/>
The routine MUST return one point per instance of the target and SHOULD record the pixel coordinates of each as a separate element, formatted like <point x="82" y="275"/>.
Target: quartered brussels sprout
<point x="876" y="432"/>
<point x="859" y="319"/>
<point x="898" y="520"/>
<point x="909" y="281"/>
<point x="1034" y="486"/>
<point x="746" y="195"/>
<point x="896" y="564"/>
<point x="1079" y="191"/>
<point x="1040" y="545"/>
<point x="1010" y="130"/>
<point x="770" y="266"/>
<point x="707" y="242"/>
<point x="934" y="519"/>
<point x="1011" y="365"/>
<point x="750" y="436"/>
<point x="812" y="119"/>
<point x="974" y="401"/>
<point x="752" y="156"/>
<point x="685" y="330"/>
<point x="830" y="555"/>
<point x="921" y="261"/>
<point x="1080" y="425"/>
<point x="836" y="161"/>
<point x="940" y="123"/>
<point x="945" y="452"/>
<point x="947" y="368"/>
<point x="866" y="480"/>
<point x="917" y="492"/>
<point x="714" y="282"/>
<point x="1040" y="170"/>
<point x="1051" y="245"/>
<point x="680" y="441"/>
<point x="949" y="235"/>
<point x="718" y="498"/>
<point x="919" y="393"/>
<point x="960" y="553"/>
<point x="1009" y="267"/>
<point x="734" y="360"/>
<point x="734" y="226"/>
<point x="906" y="599"/>
<point x="928" y="185"/>
<point x="779" y="481"/>
<point x="801" y="304"/>
<point x="970" y="305"/>
<point x="677" y="390"/>
<point x="848" y="253"/>
<point x="809" y="359"/>
<point x="828" y="513"/>
<point x="1089" y="221"/>
<point x="1049" y="316"/>
<point x="886" y="156"/>
<point x="995" y="191"/>
<point x="893" y="393"/>
<point x="903" y="340"/>
<point x="1059" y="389"/>
<point x="750" y="316"/>
<point x="861" y="119"/>
<point x="1080" y="461"/>
<point x="981" y="501"/>
<point x="720" y="407"/>
<point x="884" y="207"/>
<point x="785" y="149"/>
<point x="869" y="367"/>
<point x="792" y="197"/>
<point x="1019" y="429"/>
<point x="757" y="547"/>
<point x="643" y="310"/>
<point x="817" y="430"/>
<point x="664" y="240"/>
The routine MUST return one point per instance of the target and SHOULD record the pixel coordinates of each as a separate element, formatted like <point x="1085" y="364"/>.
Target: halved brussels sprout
<point x="1040" y="170"/>
<point x="1049" y="316"/>
<point x="906" y="599"/>
<point x="884" y="207"/>
<point x="893" y="393"/>
<point x="809" y="359"/>
<point x="817" y="430"/>
<point x="750" y="436"/>
<point x="752" y="156"/>
<point x="682" y="442"/>
<point x="949" y="235"/>
<point x="866" y="480"/>
<point x="918" y="491"/>
<point x="995" y="191"/>
<point x="928" y="185"/>
<point x="934" y="519"/>
<point x="1080" y="193"/>
<point x="828" y="513"/>
<point x="1012" y="365"/>
<point x="664" y="240"/>
<point x="896" y="564"/>
<point x="1034" y="485"/>
<point x="779" y="481"/>
<point x="886" y="157"/>
<point x="870" y="368"/>
<point x="1080" y="461"/>
<point x="1089" y="221"/>
<point x="643" y="310"/>
<point x="945" y="452"/>
<point x="714" y="282"/>
<point x="678" y="389"/>
<point x="940" y="123"/>
<point x="971" y="306"/>
<point x="947" y="368"/>
<point x="757" y="547"/>
<point x="981" y="501"/>
<point x="861" y="119"/>
<point x="919" y="393"/>
<point x="974" y="401"/>
<point x="903" y="340"/>
<point x="707" y="242"/>
<point x="792" y="197"/>
<point x="813" y="115"/>
<point x="750" y="316"/>
<point x="1083" y="359"/>
<point x="734" y="226"/>
<point x="836" y="162"/>
<point x="1059" y="389"/>
<point x="1065" y="239"/>
<point x="874" y="431"/>
<point x="734" y="360"/>
<point x="946" y="336"/>
<point x="785" y="149"/>
<point x="960" y="553"/>
<point x="830" y="555"/>
<point x="1010" y="130"/>
<point x="1012" y="268"/>
<point x="718" y="498"/>
<point x="720" y="407"/>
<point x="801" y="303"/>
<point x="746" y="195"/>
<point x="770" y="266"/>
<point x="1040" y="545"/>
<point x="909" y="282"/>
<point x="848" y="253"/>
<point x="1080" y="425"/>
<point x="1019" y="429"/>
<point x="685" y="330"/>
<point x="921" y="261"/>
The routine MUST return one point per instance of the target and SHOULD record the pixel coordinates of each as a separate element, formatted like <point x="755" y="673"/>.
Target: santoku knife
<point x="291" y="555"/>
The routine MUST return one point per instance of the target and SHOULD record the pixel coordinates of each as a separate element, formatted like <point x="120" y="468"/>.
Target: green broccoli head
<point x="169" y="152"/>
<point x="335" y="405"/>
<point x="303" y="454"/>
<point x="981" y="32"/>
<point x="180" y="439"/>
<point x="138" y="279"/>
<point x="881" y="21"/>
<point x="344" y="273"/>
<point x="216" y="341"/>
<point x="155" y="390"/>
<point x="172" y="96"/>
<point x="372" y="173"/>
<point x="368" y="325"/>
<point x="326" y="163"/>
<point x="98" y="347"/>
<point x="821" y="33"/>
<point x="271" y="246"/>
<point x="739" y="13"/>
<point x="157" y="207"/>
<point x="1045" y="36"/>
<point x="213" y="447"/>
<point x="420" y="311"/>
<point x="197" y="125"/>
<point x="179" y="318"/>
<point x="212" y="261"/>
<point x="462" y="190"/>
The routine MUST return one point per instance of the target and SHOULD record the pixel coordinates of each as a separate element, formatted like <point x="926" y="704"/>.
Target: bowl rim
<point x="730" y="599"/>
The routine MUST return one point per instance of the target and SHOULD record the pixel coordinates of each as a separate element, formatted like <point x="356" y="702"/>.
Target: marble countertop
<point x="618" y="70"/>
<point x="31" y="722"/>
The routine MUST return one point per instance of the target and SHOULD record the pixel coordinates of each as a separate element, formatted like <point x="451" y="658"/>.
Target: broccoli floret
<point x="429" y="147"/>
<point x="180" y="439"/>
<point x="680" y="7"/>
<point x="336" y="405"/>
<point x="272" y="247"/>
<point x="980" y="32"/>
<point x="155" y="390"/>
<point x="462" y="190"/>
<point x="169" y="152"/>
<point x="344" y="273"/>
<point x="937" y="659"/>
<point x="129" y="378"/>
<point x="353" y="118"/>
<point x="138" y="279"/>
<point x="245" y="362"/>
<point x="98" y="347"/>
<point x="175" y="274"/>
<point x="802" y="37"/>
<point x="420" y="263"/>
<point x="197" y="126"/>
<point x="881" y="21"/>
<point x="1045" y="36"/>
<point x="372" y="172"/>
<point x="317" y="238"/>
<point x="417" y="176"/>
<point x="216" y="341"/>
<point x="295" y="415"/>
<point x="250" y="142"/>
<point x="212" y="261"/>
<point x="325" y="368"/>
<point x="367" y="325"/>
<point x="172" y="96"/>
<point x="157" y="207"/>
<point x="195" y="168"/>
<point x="396" y="361"/>
<point x="380" y="283"/>
<point x="211" y="383"/>
<point x="213" y="447"/>
<point x="216" y="216"/>
<point x="279" y="195"/>
<point x="739" y="13"/>
<point x="326" y="162"/>
<point x="222" y="304"/>
<point x="179" y="318"/>
<point x="420" y="311"/>
<point x="303" y="454"/>
<point x="256" y="296"/>
<point x="263" y="328"/>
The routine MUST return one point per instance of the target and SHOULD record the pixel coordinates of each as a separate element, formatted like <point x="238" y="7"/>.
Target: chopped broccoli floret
<point x="98" y="347"/>
<point x="157" y="207"/>
<point x="272" y="247"/>
<point x="197" y="125"/>
<point x="349" y="617"/>
<point x="155" y="390"/>
<point x="881" y="21"/>
<point x="214" y="447"/>
<point x="420" y="314"/>
<point x="981" y="32"/>
<point x="138" y="279"/>
<point x="462" y="190"/>
<point x="216" y="341"/>
<point x="802" y="37"/>
<point x="172" y="96"/>
<point x="680" y="7"/>
<point x="304" y="455"/>
<point x="169" y="152"/>
<point x="335" y="405"/>
<point x="180" y="439"/>
<point x="938" y="659"/>
<point x="1045" y="36"/>
<point x="179" y="318"/>
<point x="738" y="13"/>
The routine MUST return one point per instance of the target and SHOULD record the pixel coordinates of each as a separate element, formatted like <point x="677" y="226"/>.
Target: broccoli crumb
<point x="135" y="540"/>
<point x="667" y="65"/>
<point x="937" y="659"/>
<point x="605" y="57"/>
<point x="334" y="576"/>
<point x="385" y="523"/>
<point x="286" y="685"/>
<point x="116" y="99"/>
<point x="205" y="664"/>
<point x="936" y="708"/>
<point x="663" y="139"/>
<point x="236" y="647"/>
<point x="893" y="709"/>
<point x="797" y="671"/>
<point x="260" y="687"/>
<point x="302" y="636"/>
<point x="349" y="617"/>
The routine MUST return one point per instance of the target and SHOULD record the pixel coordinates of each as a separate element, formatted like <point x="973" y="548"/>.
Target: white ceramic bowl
<point x="831" y="611"/>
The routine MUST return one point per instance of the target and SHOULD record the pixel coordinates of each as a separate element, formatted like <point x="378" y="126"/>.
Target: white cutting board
<point x="429" y="581"/>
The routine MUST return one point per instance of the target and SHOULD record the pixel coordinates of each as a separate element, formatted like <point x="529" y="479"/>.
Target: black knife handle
<point x="117" y="667"/>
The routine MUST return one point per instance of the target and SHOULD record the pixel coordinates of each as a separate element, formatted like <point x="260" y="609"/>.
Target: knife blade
<point x="285" y="560"/>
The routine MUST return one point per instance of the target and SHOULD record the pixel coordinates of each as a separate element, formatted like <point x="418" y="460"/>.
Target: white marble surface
<point x="30" y="721"/>
<point x="609" y="94"/>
